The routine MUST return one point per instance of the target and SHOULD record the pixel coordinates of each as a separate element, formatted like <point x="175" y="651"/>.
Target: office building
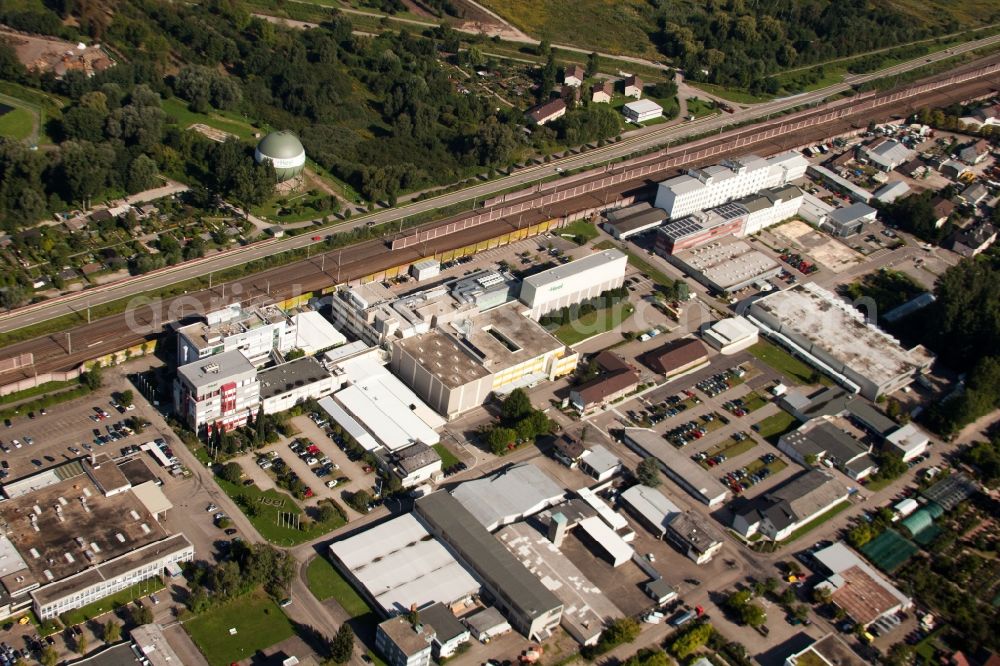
<point x="850" y="220"/>
<point x="217" y="392"/>
<point x="256" y="332"/>
<point x="574" y="282"/>
<point x="830" y="650"/>
<point x="711" y="186"/>
<point x="909" y="441"/>
<point x="286" y="385"/>
<point x="615" y="379"/>
<point x="404" y="644"/>
<point x="699" y="228"/>
<point x="836" y="339"/>
<point x="457" y="367"/>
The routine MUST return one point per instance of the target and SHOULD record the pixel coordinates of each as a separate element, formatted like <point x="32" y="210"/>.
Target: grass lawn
<point x="816" y="522"/>
<point x="258" y="622"/>
<point x="699" y="107"/>
<point x="447" y="457"/>
<point x="776" y="425"/>
<point x="775" y="466"/>
<point x="786" y="364"/>
<point x="730" y="448"/>
<point x="325" y="582"/>
<point x="108" y="604"/>
<point x="581" y="231"/>
<point x="177" y="108"/>
<point x="593" y="323"/>
<point x="655" y="274"/>
<point x="270" y="514"/>
<point x="876" y="485"/>
<point x="16" y="124"/>
<point x="753" y="401"/>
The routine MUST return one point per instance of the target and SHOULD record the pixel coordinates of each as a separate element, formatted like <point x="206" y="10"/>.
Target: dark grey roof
<point x="446" y="626"/>
<point x="870" y="417"/>
<point x="851" y="213"/>
<point x="487" y="556"/>
<point x="640" y="220"/>
<point x="116" y="655"/>
<point x="827" y="440"/>
<point x="415" y="457"/>
<point x="289" y="376"/>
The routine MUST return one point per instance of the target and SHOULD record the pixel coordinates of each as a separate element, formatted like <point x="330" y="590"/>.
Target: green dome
<point x="284" y="150"/>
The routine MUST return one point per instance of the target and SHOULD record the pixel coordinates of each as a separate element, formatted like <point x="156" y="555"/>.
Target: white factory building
<point x="711" y="186"/>
<point x="574" y="282"/>
<point x="642" y="110"/>
<point x="835" y="338"/>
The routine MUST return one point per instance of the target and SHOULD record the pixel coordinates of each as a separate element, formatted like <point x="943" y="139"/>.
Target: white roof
<point x="616" y="547"/>
<point x="643" y="106"/>
<point x="152" y="497"/>
<point x="216" y="368"/>
<point x="651" y="504"/>
<point x="508" y="495"/>
<point x="401" y="565"/>
<point x="349" y="424"/>
<point x="614" y="520"/>
<point x="313" y="332"/>
<point x="908" y="438"/>
<point x="573" y="268"/>
<point x="599" y="459"/>
<point x="385" y="406"/>
<point x="733" y="329"/>
<point x="891" y="191"/>
<point x="907" y="506"/>
<point x="682" y="184"/>
<point x="682" y="470"/>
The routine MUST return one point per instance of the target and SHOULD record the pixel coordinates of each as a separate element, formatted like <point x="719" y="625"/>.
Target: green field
<point x="731" y="94"/>
<point x="612" y="27"/>
<point x="776" y="425"/>
<point x="593" y="323"/>
<point x="699" y="107"/>
<point x="581" y="231"/>
<point x="108" y="604"/>
<point x="325" y="582"/>
<point x="271" y="512"/>
<point x="447" y="457"/>
<point x="16" y="124"/>
<point x="786" y="364"/>
<point x="730" y="448"/>
<point x="258" y="622"/>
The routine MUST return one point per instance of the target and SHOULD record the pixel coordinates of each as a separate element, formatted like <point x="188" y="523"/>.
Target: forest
<point x="380" y="113"/>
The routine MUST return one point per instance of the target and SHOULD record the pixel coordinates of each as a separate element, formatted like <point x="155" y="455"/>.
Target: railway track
<point x="147" y="319"/>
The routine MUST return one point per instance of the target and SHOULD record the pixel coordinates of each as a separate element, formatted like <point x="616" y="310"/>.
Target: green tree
<point x="81" y="644"/>
<point x="648" y="472"/>
<point x="112" y="632"/>
<point x="126" y="397"/>
<point x="342" y="646"/>
<point x="141" y="614"/>
<point x="753" y="615"/>
<point x="142" y="173"/>
<point x="360" y="501"/>
<point x="692" y="640"/>
<point x="49" y="656"/>
<point x="593" y="64"/>
<point x="499" y="438"/>
<point x="231" y="472"/>
<point x="515" y="406"/>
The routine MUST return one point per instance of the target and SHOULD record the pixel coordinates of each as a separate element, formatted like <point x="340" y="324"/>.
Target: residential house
<point x="677" y="357"/>
<point x="449" y="633"/>
<point x="547" y="112"/>
<point x="602" y="92"/>
<point x="633" y="86"/>
<point x="404" y="644"/>
<point x="974" y="194"/>
<point x="573" y="75"/>
<point x="616" y="379"/>
<point x="975" y="152"/>
<point x="942" y="208"/>
<point x="974" y="239"/>
<point x="953" y="169"/>
<point x="568" y="450"/>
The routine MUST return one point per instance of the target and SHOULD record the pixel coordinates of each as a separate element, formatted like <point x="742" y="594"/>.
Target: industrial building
<point x="217" y="392"/>
<point x="455" y="368"/>
<point x="284" y="152"/>
<point x="835" y="338"/>
<point x="820" y="440"/>
<point x="377" y="409"/>
<point x="730" y="335"/>
<point x="829" y="649"/>
<point x="600" y="463"/>
<point x="887" y="155"/>
<point x="398" y="565"/>
<point x="586" y="610"/>
<point x="425" y="269"/>
<point x="891" y="191"/>
<point x="699" y="228"/>
<point x="574" y="282"/>
<point x="694" y="537"/>
<point x="82" y="536"/>
<point x="837" y="183"/>
<point x="642" y="110"/>
<point x="650" y="507"/>
<point x="710" y="186"/>
<point x="679" y="468"/>
<point x="529" y="607"/>
<point x="909" y="441"/>
<point x="625" y="223"/>
<point x="861" y="592"/>
<point x="725" y="265"/>
<point x="779" y="512"/>
<point x="508" y="495"/>
<point x="676" y="358"/>
<point x="850" y="220"/>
